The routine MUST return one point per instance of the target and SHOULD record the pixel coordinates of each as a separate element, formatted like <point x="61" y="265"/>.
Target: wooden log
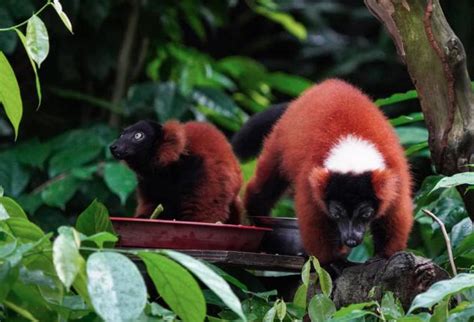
<point x="404" y="274"/>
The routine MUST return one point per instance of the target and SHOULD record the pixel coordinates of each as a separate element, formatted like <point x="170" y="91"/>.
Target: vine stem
<point x="26" y="21"/>
<point x="446" y="238"/>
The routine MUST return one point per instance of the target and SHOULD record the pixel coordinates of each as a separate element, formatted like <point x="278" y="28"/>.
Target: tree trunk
<point x="404" y="274"/>
<point x="436" y="62"/>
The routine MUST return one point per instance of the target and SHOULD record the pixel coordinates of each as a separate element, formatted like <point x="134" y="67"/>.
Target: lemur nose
<point x="113" y="147"/>
<point x="351" y="242"/>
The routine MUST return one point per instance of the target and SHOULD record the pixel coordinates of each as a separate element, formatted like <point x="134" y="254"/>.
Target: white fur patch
<point x="354" y="154"/>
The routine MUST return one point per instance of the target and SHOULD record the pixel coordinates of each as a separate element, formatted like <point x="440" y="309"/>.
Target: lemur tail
<point x="248" y="142"/>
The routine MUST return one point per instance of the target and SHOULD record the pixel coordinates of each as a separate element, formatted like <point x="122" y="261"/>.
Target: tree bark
<point x="436" y="61"/>
<point x="404" y="274"/>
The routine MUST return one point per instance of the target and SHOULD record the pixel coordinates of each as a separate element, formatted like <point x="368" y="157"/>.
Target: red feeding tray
<point x="155" y="233"/>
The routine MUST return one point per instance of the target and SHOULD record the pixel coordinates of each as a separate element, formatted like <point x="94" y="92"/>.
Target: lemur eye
<point x="139" y="136"/>
<point x="367" y="213"/>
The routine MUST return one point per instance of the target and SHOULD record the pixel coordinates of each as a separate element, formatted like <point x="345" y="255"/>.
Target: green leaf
<point x="321" y="308"/>
<point x="460" y="231"/>
<point x="165" y="98"/>
<point x="10" y="93"/>
<point x="158" y="210"/>
<point x="66" y="257"/>
<point x="35" y="71"/>
<point x="13" y="176"/>
<point x="440" y="290"/>
<point x="287" y="21"/>
<point x="10" y="209"/>
<point x="270" y="315"/>
<point x="20" y="311"/>
<point x="301" y="296"/>
<point x="396" y="98"/>
<point x="409" y="135"/>
<point x="455" y="180"/>
<point x="94" y="219"/>
<point x="216" y="100"/>
<point x="407" y="119"/>
<point x="207" y="276"/>
<point x="24" y="229"/>
<point x="120" y="180"/>
<point x="80" y="282"/>
<point x="37" y="40"/>
<point x="440" y="313"/>
<point x="305" y="272"/>
<point x="100" y="238"/>
<point x="391" y="307"/>
<point x="280" y="309"/>
<point x="288" y="84"/>
<point x="116" y="287"/>
<point x="73" y="156"/>
<point x="8" y="277"/>
<point x="464" y="314"/>
<point x="59" y="9"/>
<point x="176" y="286"/>
<point x="59" y="192"/>
<point x="325" y="280"/>
<point x="32" y="153"/>
<point x="354" y="311"/>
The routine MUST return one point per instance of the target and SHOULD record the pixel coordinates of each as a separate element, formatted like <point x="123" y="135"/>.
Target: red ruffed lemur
<point x="189" y="168"/>
<point x="345" y="164"/>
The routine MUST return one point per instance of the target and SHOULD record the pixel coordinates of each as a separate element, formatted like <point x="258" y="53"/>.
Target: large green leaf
<point x="325" y="280"/>
<point x="23" y="229"/>
<point x="207" y="276"/>
<point x="59" y="9"/>
<point x="59" y="192"/>
<point x="66" y="257"/>
<point x="120" y="180"/>
<point x="409" y="135"/>
<point x="10" y="96"/>
<point x="286" y="20"/>
<point x="176" y="286"/>
<point x="100" y="238"/>
<point x="37" y="40"/>
<point x="455" y="180"/>
<point x="216" y="100"/>
<point x="391" y="307"/>
<point x="33" y="66"/>
<point x="440" y="290"/>
<point x="32" y="153"/>
<point x="396" y="98"/>
<point x="116" y="287"/>
<point x="73" y="156"/>
<point x="321" y="308"/>
<point x="13" y="176"/>
<point x="11" y="208"/>
<point x="94" y="219"/>
<point x="288" y="84"/>
<point x="165" y="98"/>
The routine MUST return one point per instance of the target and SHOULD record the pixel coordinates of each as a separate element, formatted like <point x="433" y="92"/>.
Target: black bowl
<point x="285" y="237"/>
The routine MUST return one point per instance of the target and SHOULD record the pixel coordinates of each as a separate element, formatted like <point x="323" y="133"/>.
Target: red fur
<point x="217" y="196"/>
<point x="174" y="143"/>
<point x="300" y="142"/>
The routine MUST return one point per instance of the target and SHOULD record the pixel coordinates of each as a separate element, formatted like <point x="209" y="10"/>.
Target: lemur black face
<point x="137" y="141"/>
<point x="351" y="204"/>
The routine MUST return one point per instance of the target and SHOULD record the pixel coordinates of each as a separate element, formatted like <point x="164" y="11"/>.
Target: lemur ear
<point x="318" y="179"/>
<point x="386" y="186"/>
<point x="156" y="126"/>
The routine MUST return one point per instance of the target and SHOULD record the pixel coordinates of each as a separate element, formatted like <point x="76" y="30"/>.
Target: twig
<point x="26" y="21"/>
<point x="446" y="238"/>
<point x="123" y="61"/>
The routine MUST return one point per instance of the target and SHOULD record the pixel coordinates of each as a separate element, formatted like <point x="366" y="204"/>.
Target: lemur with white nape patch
<point x="348" y="171"/>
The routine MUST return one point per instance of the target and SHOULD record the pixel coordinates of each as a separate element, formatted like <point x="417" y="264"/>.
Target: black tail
<point x="248" y="142"/>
